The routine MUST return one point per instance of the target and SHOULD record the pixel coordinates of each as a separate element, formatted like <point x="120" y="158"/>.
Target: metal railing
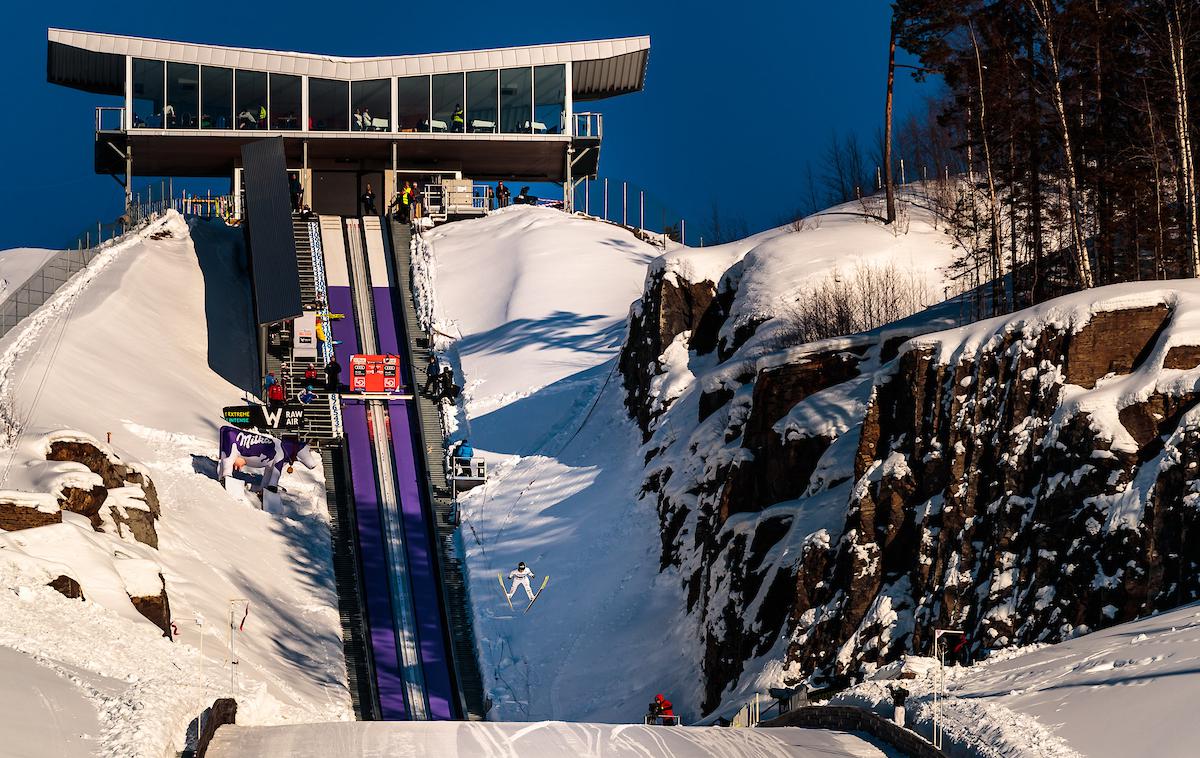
<point x="661" y="720"/>
<point x="86" y="245"/>
<point x="326" y="345"/>
<point x="41" y="286"/>
<point x="110" y="118"/>
<point x="206" y="206"/>
<point x="589" y="124"/>
<point x="474" y="468"/>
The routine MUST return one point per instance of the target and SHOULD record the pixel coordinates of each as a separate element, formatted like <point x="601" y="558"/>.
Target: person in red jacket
<point x="661" y="711"/>
<point x="275" y="395"/>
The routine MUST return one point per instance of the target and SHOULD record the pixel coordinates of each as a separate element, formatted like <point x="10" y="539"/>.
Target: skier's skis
<point x="505" y="591"/>
<point x="538" y="594"/>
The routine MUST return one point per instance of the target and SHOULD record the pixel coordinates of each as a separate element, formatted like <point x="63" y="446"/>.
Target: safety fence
<point x="634" y="207"/>
<point x="31" y="294"/>
<point x="43" y="283"/>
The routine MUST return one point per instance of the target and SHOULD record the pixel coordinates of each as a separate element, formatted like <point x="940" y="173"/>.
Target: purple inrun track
<point x="389" y="677"/>
<point x="426" y="597"/>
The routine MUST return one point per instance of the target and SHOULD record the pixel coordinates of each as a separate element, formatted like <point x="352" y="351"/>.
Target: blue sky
<point x="739" y="97"/>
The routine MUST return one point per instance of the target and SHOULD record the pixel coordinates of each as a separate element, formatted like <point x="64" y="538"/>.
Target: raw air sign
<point x="290" y="416"/>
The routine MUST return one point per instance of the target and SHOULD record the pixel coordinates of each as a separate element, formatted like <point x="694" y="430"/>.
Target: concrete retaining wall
<point x="851" y="719"/>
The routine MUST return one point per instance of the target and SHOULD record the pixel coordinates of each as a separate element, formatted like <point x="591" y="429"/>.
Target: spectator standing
<point x="433" y="375"/>
<point x="296" y="190"/>
<point x="275" y="395"/>
<point x="368" y="201"/>
<point x="448" y="391"/>
<point x="333" y="373"/>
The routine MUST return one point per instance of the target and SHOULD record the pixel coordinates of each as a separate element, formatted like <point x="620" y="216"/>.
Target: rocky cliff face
<point x="1027" y="483"/>
<point x="829" y="505"/>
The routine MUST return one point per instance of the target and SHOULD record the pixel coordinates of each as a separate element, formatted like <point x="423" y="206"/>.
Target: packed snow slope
<point x="530" y="307"/>
<point x="18" y="264"/>
<point x="148" y="343"/>
<point x="1117" y="692"/>
<point x="536" y="740"/>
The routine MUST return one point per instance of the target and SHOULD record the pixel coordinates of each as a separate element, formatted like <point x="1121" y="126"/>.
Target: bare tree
<point x="1043" y="11"/>
<point x="887" y="126"/>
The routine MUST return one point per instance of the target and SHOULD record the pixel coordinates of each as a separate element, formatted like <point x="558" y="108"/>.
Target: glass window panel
<point x="183" y="96"/>
<point x="285" y="101"/>
<point x="516" y="100"/>
<point x="148" y="90"/>
<point x="216" y="88"/>
<point x="550" y="99"/>
<point x="328" y="105"/>
<point x="448" y="115"/>
<point x="412" y="103"/>
<point x="482" y="100"/>
<point x="250" y="92"/>
<point x="372" y="105"/>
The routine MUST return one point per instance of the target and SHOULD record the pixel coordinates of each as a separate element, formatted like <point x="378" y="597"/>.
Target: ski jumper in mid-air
<point x="520" y="577"/>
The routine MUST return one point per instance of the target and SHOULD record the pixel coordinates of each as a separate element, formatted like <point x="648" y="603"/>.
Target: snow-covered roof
<point x="603" y="68"/>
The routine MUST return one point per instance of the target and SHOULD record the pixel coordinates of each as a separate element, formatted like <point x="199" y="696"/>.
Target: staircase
<point x="319" y="423"/>
<point x="342" y="527"/>
<point x="302" y="231"/>
<point x="455" y="591"/>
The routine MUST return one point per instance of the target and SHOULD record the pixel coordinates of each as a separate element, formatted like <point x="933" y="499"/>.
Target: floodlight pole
<point x="128" y="178"/>
<point x="233" y="661"/>
<point x="569" y="185"/>
<point x="939" y="652"/>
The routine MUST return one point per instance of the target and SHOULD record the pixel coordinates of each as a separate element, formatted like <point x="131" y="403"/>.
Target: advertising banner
<point x="290" y="416"/>
<point x="243" y="416"/>
<point x="305" y="343"/>
<point x="374" y="373"/>
<point x="239" y="449"/>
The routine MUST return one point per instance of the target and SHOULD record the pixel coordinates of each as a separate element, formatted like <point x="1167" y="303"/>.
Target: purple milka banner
<point x="345" y="330"/>
<point x="426" y="598"/>
<point x="389" y="677"/>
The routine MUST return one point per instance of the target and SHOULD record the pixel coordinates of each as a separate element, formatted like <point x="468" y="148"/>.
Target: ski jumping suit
<point x="520" y="578"/>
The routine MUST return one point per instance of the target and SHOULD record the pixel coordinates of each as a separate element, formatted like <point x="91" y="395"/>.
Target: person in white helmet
<point x="520" y="577"/>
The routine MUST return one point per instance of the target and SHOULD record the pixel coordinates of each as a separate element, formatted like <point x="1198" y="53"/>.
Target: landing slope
<point x="530" y="307"/>
<point x="148" y="343"/>
<point x="537" y="740"/>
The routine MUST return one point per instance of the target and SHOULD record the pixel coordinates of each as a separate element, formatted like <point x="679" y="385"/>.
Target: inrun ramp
<point x="404" y="613"/>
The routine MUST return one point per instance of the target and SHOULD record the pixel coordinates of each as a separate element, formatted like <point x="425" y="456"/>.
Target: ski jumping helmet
<point x="521" y="565"/>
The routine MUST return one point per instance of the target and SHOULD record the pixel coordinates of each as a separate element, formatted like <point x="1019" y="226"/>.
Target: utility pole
<point x="939" y="691"/>
<point x="887" y="125"/>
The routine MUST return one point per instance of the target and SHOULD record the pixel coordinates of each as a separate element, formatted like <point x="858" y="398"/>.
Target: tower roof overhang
<point x="94" y="62"/>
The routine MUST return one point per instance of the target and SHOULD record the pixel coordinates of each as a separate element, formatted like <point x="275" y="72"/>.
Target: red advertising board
<point x="374" y="373"/>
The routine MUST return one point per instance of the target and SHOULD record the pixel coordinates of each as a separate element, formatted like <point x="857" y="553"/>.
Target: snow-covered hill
<point x="148" y="344"/>
<point x="442" y="739"/>
<point x="18" y="264"/>
<point x="1117" y="692"/>
<point x="530" y="306"/>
